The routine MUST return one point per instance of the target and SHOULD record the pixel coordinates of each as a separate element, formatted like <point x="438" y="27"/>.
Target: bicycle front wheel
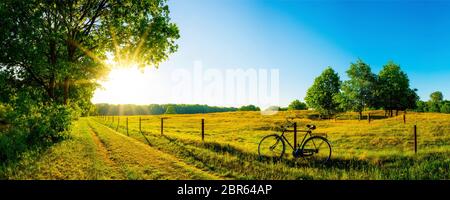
<point x="271" y="146"/>
<point x="316" y="149"/>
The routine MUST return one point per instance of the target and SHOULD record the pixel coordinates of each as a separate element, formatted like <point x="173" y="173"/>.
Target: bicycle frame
<point x="307" y="132"/>
<point x="299" y="149"/>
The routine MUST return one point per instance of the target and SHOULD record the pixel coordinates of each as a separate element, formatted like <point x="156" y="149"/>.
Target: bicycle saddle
<point x="311" y="126"/>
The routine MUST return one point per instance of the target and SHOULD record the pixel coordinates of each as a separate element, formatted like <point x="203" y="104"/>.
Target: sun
<point x="128" y="85"/>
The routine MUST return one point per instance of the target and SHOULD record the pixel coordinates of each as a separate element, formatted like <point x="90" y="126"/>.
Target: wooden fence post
<point x="295" y="135"/>
<point x="203" y="129"/>
<point x="415" y="139"/>
<point x="404" y="118"/>
<point x="162" y="126"/>
<point x="368" y="118"/>
<point x="140" y="127"/>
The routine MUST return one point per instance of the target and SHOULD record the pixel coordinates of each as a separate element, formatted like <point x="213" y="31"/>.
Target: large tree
<point x="321" y="95"/>
<point x="393" y="92"/>
<point x="358" y="92"/>
<point x="59" y="47"/>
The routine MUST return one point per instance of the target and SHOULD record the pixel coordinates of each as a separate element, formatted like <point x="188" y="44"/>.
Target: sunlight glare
<point x="126" y="86"/>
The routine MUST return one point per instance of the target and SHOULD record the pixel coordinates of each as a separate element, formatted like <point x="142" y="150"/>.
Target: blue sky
<point x="301" y="38"/>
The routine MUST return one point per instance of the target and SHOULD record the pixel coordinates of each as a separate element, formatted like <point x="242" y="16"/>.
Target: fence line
<point x="112" y="118"/>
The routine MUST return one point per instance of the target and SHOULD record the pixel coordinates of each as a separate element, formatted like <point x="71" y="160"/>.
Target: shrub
<point x="42" y="124"/>
<point x="34" y="126"/>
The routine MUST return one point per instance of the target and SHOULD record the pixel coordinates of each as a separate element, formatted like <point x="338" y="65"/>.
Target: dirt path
<point x="103" y="156"/>
<point x="140" y="161"/>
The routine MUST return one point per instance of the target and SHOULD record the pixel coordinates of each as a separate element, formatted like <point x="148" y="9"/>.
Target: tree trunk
<point x="71" y="57"/>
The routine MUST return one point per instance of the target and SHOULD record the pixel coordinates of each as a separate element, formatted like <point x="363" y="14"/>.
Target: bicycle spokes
<point x="274" y="146"/>
<point x="271" y="146"/>
<point x="316" y="149"/>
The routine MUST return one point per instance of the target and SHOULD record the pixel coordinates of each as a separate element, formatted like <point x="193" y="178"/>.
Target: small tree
<point x="321" y="95"/>
<point x="434" y="104"/>
<point x="297" y="105"/>
<point x="436" y="97"/>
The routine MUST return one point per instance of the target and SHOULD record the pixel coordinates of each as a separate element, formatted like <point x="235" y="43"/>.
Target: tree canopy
<point x="321" y="95"/>
<point x="393" y="91"/>
<point x="297" y="105"/>
<point x="59" y="47"/>
<point x="249" y="108"/>
<point x="390" y="90"/>
<point x="53" y="52"/>
<point x="358" y="92"/>
<point x="435" y="104"/>
<point x="436" y="97"/>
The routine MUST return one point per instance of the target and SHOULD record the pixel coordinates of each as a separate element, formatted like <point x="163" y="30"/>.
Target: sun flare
<point x="125" y="86"/>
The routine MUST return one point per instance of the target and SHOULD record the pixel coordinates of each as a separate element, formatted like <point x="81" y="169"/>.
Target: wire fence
<point x="245" y="131"/>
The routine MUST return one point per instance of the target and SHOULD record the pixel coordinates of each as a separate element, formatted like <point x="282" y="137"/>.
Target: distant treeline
<point x="435" y="104"/>
<point x="158" y="109"/>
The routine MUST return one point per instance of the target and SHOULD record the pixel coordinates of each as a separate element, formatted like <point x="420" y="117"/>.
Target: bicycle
<point x="313" y="147"/>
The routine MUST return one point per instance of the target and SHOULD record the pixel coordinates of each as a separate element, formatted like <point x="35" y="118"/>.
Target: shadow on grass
<point x="336" y="163"/>
<point x="249" y="165"/>
<point x="220" y="148"/>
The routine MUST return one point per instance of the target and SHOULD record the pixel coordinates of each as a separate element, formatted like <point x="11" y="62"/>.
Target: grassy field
<point x="382" y="149"/>
<point x="96" y="152"/>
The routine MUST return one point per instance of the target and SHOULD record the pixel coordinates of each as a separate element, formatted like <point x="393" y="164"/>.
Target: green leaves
<point x="389" y="90"/>
<point x="436" y="97"/>
<point x="393" y="91"/>
<point x="56" y="45"/>
<point x="52" y="54"/>
<point x="358" y="92"/>
<point x="435" y="104"/>
<point x="249" y="108"/>
<point x="320" y="95"/>
<point x="297" y="105"/>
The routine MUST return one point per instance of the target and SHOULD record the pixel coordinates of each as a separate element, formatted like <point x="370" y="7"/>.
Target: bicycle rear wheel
<point x="316" y="149"/>
<point x="271" y="146"/>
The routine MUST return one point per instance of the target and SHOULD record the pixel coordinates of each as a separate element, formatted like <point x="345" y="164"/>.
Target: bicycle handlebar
<point x="290" y="123"/>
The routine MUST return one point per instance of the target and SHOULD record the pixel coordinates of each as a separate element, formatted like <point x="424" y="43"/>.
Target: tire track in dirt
<point x="145" y="156"/>
<point x="101" y="149"/>
<point x="105" y="154"/>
